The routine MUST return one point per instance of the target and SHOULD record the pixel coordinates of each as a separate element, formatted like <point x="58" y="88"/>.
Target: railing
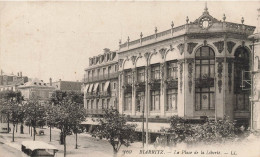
<point x="204" y="82"/>
<point x="101" y="77"/>
<point x="98" y="95"/>
<point x="95" y="111"/>
<point x="223" y="26"/>
<point x="171" y="83"/>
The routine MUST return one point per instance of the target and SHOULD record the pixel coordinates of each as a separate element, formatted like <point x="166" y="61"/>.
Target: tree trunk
<point x="76" y="141"/>
<point x="13" y="131"/>
<point x="34" y="133"/>
<point x="8" y="123"/>
<point x="16" y="127"/>
<point x="50" y="133"/>
<point x="64" y="139"/>
<point x="21" y="128"/>
<point x="114" y="153"/>
<point x="31" y="131"/>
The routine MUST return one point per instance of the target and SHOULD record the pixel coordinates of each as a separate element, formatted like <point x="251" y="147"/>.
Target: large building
<point x="194" y="71"/>
<point x="101" y="83"/>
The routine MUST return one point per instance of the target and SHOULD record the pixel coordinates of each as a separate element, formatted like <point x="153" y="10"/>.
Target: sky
<point x="56" y="39"/>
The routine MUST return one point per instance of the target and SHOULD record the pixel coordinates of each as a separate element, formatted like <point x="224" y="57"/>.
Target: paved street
<point x="86" y="144"/>
<point x="7" y="151"/>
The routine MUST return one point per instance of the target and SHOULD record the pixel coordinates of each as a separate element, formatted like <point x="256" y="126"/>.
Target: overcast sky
<point x="55" y="39"/>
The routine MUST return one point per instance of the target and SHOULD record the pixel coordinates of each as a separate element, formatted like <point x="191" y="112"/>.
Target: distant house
<point x="36" y="89"/>
<point x="11" y="81"/>
<point x="66" y="85"/>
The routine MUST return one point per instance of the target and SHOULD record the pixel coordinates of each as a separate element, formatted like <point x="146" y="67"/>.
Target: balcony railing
<point x="95" y="111"/>
<point x="204" y="82"/>
<point x="171" y="83"/>
<point x="98" y="95"/>
<point x="101" y="77"/>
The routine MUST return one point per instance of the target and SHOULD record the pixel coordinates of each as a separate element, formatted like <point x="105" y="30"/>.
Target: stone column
<point x="133" y="91"/>
<point x="220" y="87"/>
<point x="148" y="73"/>
<point x="163" y="89"/>
<point x="229" y="88"/>
<point x="121" y="92"/>
<point x="181" y="78"/>
<point x="189" y="87"/>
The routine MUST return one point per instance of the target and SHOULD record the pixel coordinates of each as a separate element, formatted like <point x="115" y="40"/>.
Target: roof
<point x="67" y="85"/>
<point x="33" y="145"/>
<point x="35" y="83"/>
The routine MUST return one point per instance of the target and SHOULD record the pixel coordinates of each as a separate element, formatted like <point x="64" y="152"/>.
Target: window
<point x="98" y="73"/>
<point x="140" y="74"/>
<point x="155" y="101"/>
<point x="104" y="72"/>
<point x="204" y="69"/>
<point x="172" y="70"/>
<point x="93" y="73"/>
<point x="87" y="104"/>
<point x="241" y="67"/>
<point x="103" y="103"/>
<point x="103" y="86"/>
<point x="97" y="102"/>
<point x="114" y="85"/>
<point x="140" y="100"/>
<point x="155" y="72"/>
<point x="109" y="70"/>
<point x="115" y="68"/>
<point x="128" y="102"/>
<point x="171" y="99"/>
<point x="92" y="103"/>
<point x="128" y="77"/>
<point x="108" y="101"/>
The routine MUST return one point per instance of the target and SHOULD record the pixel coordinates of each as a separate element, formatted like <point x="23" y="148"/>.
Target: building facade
<point x="11" y="81"/>
<point x="66" y="85"/>
<point x="194" y="71"/>
<point x="36" y="89"/>
<point x="101" y="83"/>
<point x="255" y="121"/>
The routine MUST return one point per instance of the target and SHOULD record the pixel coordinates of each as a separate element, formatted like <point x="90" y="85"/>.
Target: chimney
<point x="21" y="74"/>
<point x="17" y="74"/>
<point x="60" y="80"/>
<point x="50" y="81"/>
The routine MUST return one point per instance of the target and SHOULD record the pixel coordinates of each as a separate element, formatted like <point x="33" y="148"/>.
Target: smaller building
<point x="36" y="89"/>
<point x="11" y="81"/>
<point x="66" y="85"/>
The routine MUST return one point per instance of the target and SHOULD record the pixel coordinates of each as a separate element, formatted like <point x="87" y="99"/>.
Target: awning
<point x="152" y="127"/>
<point x="86" y="88"/>
<point x="106" y="85"/>
<point x="95" y="87"/>
<point x="90" y="88"/>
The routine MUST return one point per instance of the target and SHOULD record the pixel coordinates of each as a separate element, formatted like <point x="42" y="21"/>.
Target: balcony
<point x="101" y="77"/>
<point x="171" y="83"/>
<point x="98" y="95"/>
<point x="127" y="87"/>
<point x="95" y="111"/>
<point x="204" y="82"/>
<point x="155" y="84"/>
<point x="140" y="86"/>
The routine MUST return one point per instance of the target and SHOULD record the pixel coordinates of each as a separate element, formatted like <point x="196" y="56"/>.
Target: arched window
<point x="241" y="77"/>
<point x="204" y="72"/>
